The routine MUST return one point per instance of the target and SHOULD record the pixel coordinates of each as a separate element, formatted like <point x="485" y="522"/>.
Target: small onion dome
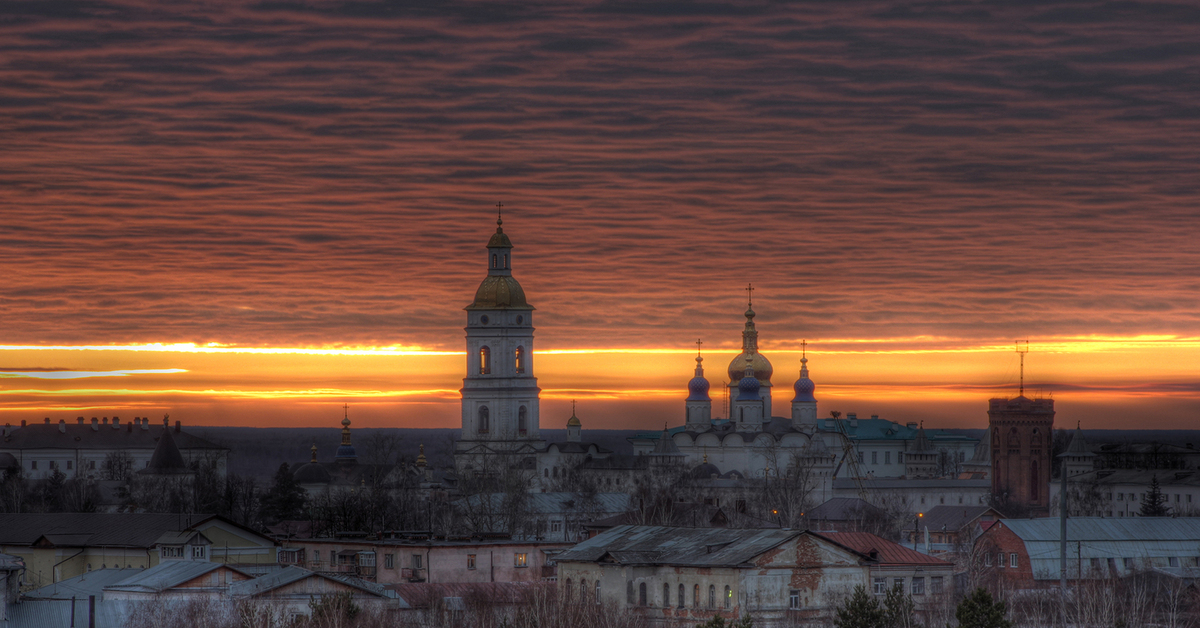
<point x="421" y="462"/>
<point x="345" y="452"/>
<point x="499" y="240"/>
<point x="311" y="473"/>
<point x="704" y="471"/>
<point x="698" y="389"/>
<point x="574" y="421"/>
<point x="748" y="389"/>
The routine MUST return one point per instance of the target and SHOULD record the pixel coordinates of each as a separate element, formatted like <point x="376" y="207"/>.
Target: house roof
<point x="99" y="529"/>
<point x="698" y="547"/>
<point x="954" y="518"/>
<point x="1102" y="538"/>
<point x="81" y="586"/>
<point x="75" y="436"/>
<point x="290" y="574"/>
<point x="843" y="509"/>
<point x="886" y="552"/>
<point x="167" y="575"/>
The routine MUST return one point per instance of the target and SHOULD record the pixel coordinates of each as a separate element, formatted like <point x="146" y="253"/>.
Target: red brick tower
<point x="1021" y="432"/>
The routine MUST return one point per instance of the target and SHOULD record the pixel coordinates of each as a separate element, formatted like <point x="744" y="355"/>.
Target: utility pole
<point x="1022" y="351"/>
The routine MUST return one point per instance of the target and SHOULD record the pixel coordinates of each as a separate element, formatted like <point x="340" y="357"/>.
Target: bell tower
<point x="500" y="391"/>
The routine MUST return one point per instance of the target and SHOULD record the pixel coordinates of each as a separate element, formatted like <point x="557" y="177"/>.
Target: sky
<point x="253" y="213"/>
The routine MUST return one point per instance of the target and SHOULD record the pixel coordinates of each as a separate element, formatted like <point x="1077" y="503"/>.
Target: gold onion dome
<point x="499" y="239"/>
<point x="761" y="366"/>
<point x="574" y="420"/>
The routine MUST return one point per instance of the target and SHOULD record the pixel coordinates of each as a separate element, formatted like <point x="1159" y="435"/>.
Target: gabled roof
<point x="270" y="582"/>
<point x="168" y="575"/>
<point x="883" y="550"/>
<point x="954" y="518"/>
<point x="695" y="547"/>
<point x="843" y="509"/>
<point x="81" y="586"/>
<point x="141" y="531"/>
<point x="182" y="538"/>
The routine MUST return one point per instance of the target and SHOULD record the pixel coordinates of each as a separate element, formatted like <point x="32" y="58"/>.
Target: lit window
<point x="485" y="361"/>
<point x="521" y="560"/>
<point x="728" y="597"/>
<point x="520" y="359"/>
<point x="470" y="561"/>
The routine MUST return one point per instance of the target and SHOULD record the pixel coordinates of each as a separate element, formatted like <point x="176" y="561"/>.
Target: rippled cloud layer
<point x="325" y="173"/>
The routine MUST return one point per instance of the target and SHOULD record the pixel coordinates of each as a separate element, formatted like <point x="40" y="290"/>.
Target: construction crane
<point x="849" y="456"/>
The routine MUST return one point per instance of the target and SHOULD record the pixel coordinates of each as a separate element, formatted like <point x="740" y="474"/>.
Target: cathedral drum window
<point x="522" y="421"/>
<point x="519" y="358"/>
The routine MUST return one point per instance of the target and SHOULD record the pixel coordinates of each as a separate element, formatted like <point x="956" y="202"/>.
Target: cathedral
<point x="500" y="418"/>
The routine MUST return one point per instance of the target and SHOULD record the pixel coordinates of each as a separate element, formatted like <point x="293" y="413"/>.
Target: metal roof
<point x="166" y="575"/>
<point x="81" y="586"/>
<point x="698" y="547"/>
<point x="103" y="529"/>
<point x="1142" y="539"/>
<point x="292" y="573"/>
<point x="887" y="552"/>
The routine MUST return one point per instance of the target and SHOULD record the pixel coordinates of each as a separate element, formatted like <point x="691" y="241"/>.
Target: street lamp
<point x="916" y="528"/>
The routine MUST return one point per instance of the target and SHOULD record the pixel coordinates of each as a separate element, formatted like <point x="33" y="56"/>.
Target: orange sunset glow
<point x="252" y="214"/>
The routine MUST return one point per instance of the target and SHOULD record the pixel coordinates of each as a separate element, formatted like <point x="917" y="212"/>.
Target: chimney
<point x="177" y="427"/>
<point x="145" y="423"/>
<point x="912" y="425"/>
<point x="874" y="416"/>
<point x="80" y="419"/>
<point x="62" y="426"/>
<point x="105" y="420"/>
<point x="47" y="420"/>
<point x="22" y="422"/>
<point x="116" y="423"/>
<point x="853" y="418"/>
<point x="95" y="425"/>
<point x="129" y="427"/>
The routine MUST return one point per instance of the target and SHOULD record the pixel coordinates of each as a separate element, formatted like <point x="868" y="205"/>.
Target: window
<point x="922" y="499"/>
<point x="679" y="602"/>
<point x="366" y="559"/>
<point x="485" y="361"/>
<point x="567" y="591"/>
<point x="987" y="560"/>
<point x="642" y="594"/>
<point x="416" y="561"/>
<point x="389" y="561"/>
<point x="794" y="600"/>
<point x="522" y="421"/>
<point x="935" y="585"/>
<point x="898" y="583"/>
<point x="879" y="586"/>
<point x="1173" y="561"/>
<point x="696" y="596"/>
<point x="53" y="466"/>
<point x="171" y="551"/>
<point x="1120" y="497"/>
<point x="197" y="551"/>
<point x="583" y="591"/>
<point x="92" y="467"/>
<point x="521" y="560"/>
<point x="918" y="585"/>
<point x="942" y="499"/>
<point x="556" y="526"/>
<point x="629" y="592"/>
<point x="519" y="358"/>
<point x="712" y="596"/>
<point x="887" y="457"/>
<point x="33" y="465"/>
<point x="69" y="468"/>
<point x="484" y="420"/>
<point x="470" y="561"/>
<point x="597" y="591"/>
<point x="1012" y="560"/>
<point x="493" y="260"/>
<point x="332" y="557"/>
<point x="860" y="457"/>
<point x="666" y="595"/>
<point x="874" y="457"/>
<point x="728" y="597"/>
<point x="1000" y="559"/>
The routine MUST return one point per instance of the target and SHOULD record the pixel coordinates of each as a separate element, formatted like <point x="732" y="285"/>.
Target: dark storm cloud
<point x="325" y="172"/>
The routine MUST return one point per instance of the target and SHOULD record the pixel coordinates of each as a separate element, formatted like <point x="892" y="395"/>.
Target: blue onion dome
<point x="698" y="386"/>
<point x="748" y="389"/>
<point x="804" y="386"/>
<point x="704" y="471"/>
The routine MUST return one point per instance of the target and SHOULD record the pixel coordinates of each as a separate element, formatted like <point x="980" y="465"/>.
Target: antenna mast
<point x="1022" y="351"/>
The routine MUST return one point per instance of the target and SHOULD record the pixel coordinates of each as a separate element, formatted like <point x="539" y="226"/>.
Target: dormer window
<point x="171" y="551"/>
<point x="198" y="552"/>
